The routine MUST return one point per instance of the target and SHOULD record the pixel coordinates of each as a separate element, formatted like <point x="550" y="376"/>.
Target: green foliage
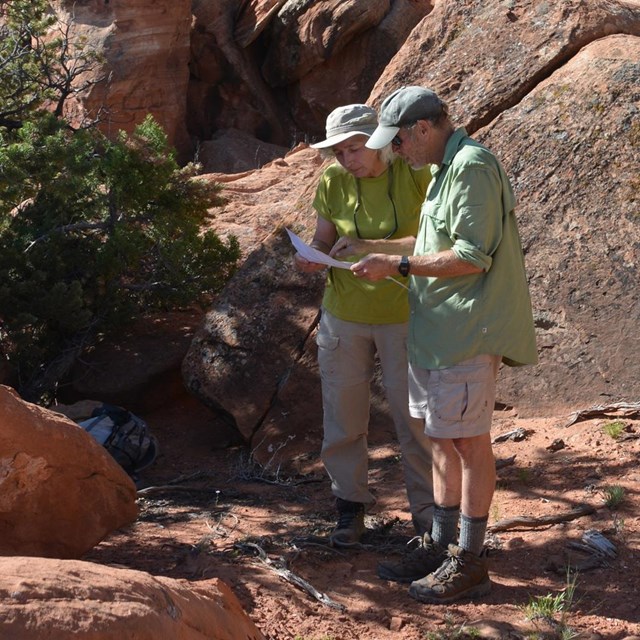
<point x="614" y="496"/>
<point x="553" y="609"/>
<point x="92" y="233"/>
<point x="614" y="429"/>
<point x="23" y="50"/>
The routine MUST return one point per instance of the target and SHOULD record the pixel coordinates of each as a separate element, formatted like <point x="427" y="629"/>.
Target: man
<point x="470" y="311"/>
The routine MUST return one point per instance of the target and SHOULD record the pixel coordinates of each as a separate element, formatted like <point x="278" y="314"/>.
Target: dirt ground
<point x="208" y="513"/>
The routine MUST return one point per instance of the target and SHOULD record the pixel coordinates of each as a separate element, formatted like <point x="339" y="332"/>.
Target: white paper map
<point x="313" y="255"/>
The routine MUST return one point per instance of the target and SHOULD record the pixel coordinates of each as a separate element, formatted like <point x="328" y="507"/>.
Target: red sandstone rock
<point x="244" y="351"/>
<point x="306" y="34"/>
<point x="59" y="599"/>
<point x="234" y="151"/>
<point x="254" y="17"/>
<point x="145" y="46"/>
<point x="60" y="491"/>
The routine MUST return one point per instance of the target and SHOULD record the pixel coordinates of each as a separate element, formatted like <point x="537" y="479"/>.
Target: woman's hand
<point x="347" y="247"/>
<point x="306" y="266"/>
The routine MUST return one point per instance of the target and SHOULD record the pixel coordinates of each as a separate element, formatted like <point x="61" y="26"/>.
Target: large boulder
<point x="484" y="57"/>
<point x="59" y="599"/>
<point x="247" y="346"/>
<point x="577" y="183"/>
<point x="235" y="151"/>
<point x="60" y="491"/>
<point x="558" y="94"/>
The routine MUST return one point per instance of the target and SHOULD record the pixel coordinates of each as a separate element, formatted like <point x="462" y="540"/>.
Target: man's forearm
<point x="444" y="264"/>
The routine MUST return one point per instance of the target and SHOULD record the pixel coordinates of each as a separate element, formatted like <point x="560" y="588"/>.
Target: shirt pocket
<point x="434" y="211"/>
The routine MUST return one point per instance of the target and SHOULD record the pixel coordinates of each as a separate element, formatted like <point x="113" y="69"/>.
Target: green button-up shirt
<point x="470" y="209"/>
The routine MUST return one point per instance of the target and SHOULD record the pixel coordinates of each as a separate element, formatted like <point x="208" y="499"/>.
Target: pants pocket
<point x="463" y="393"/>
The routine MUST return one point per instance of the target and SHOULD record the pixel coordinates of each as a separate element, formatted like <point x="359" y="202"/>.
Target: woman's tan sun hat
<point x="345" y="122"/>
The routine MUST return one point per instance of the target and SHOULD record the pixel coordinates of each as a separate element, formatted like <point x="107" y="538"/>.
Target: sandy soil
<point x="207" y="513"/>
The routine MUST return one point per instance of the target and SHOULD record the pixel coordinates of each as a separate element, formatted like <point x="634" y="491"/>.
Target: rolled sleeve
<point x="476" y="225"/>
<point x="470" y="253"/>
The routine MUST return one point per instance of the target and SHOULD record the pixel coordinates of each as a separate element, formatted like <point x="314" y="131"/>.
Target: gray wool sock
<point x="445" y="524"/>
<point x="472" y="531"/>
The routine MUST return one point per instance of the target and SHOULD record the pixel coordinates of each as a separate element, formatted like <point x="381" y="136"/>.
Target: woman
<point x="366" y="195"/>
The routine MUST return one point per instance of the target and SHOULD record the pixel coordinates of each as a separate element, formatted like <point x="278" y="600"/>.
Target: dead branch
<point x="505" y="462"/>
<point x="626" y="409"/>
<point x="291" y="577"/>
<point x="543" y="521"/>
<point x="515" y="435"/>
<point x="172" y="488"/>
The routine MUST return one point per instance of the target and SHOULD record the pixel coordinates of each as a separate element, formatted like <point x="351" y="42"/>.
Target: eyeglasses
<point x="397" y="141"/>
<point x="393" y="204"/>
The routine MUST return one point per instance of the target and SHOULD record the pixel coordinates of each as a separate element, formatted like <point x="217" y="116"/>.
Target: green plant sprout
<point x="614" y="429"/>
<point x="614" y="496"/>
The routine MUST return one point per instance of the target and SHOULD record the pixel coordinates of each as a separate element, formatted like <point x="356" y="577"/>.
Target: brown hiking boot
<point x="462" y="575"/>
<point x="416" y="564"/>
<point x="350" y="526"/>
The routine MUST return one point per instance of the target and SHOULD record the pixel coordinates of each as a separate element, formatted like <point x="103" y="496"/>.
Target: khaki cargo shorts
<point x="455" y="402"/>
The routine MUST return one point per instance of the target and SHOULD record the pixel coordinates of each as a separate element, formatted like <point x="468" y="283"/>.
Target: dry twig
<point x="543" y="521"/>
<point x="291" y="577"/>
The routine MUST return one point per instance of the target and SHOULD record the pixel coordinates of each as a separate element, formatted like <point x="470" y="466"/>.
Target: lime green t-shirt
<point x="397" y="194"/>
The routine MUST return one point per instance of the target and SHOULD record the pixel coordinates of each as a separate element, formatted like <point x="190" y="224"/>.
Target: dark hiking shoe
<point x="350" y="526"/>
<point x="462" y="575"/>
<point x="416" y="564"/>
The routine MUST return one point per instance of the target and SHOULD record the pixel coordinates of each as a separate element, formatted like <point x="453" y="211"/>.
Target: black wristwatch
<point x="404" y="266"/>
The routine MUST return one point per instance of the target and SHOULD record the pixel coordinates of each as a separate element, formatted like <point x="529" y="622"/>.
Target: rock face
<point x="59" y="599"/>
<point x="578" y="192"/>
<point x="271" y="68"/>
<point x="60" y="492"/>
<point x="266" y="67"/>
<point x="483" y="58"/>
<point x="145" y="67"/>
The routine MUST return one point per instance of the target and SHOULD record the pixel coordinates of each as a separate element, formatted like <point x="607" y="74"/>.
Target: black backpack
<point x="125" y="436"/>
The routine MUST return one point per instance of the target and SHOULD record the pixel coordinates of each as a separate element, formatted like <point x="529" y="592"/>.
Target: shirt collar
<point x="453" y="144"/>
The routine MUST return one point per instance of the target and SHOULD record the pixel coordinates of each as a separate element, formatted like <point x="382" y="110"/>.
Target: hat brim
<point x="381" y="137"/>
<point x="337" y="139"/>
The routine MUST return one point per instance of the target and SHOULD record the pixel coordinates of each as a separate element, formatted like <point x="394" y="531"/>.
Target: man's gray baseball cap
<point x="404" y="107"/>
